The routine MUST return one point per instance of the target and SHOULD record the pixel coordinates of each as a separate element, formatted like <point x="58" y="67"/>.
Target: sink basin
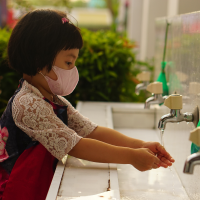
<point x="155" y="184"/>
<point x="133" y="117"/>
<point x="86" y="180"/>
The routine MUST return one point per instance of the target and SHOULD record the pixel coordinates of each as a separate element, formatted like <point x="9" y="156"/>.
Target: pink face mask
<point x="66" y="81"/>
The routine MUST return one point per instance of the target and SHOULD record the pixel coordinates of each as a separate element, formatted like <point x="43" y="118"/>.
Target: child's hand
<point x="162" y="154"/>
<point x="144" y="159"/>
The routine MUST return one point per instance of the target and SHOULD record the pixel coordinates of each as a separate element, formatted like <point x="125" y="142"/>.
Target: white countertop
<point x="80" y="179"/>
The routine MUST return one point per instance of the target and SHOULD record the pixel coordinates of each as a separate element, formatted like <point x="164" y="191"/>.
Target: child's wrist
<point x="130" y="155"/>
<point x="138" y="144"/>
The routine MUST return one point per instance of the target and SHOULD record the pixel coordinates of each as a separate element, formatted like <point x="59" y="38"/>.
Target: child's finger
<point x="162" y="150"/>
<point x="155" y="166"/>
<point x="165" y="161"/>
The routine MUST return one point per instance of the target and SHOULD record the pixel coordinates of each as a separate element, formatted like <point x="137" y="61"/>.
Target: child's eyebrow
<point x="72" y="55"/>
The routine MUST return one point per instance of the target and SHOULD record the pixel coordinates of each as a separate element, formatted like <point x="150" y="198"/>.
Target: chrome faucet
<point x="174" y="116"/>
<point x="141" y="86"/>
<point x="157" y="89"/>
<point x="174" y="102"/>
<point x="191" y="161"/>
<point x="155" y="99"/>
<point x="145" y="78"/>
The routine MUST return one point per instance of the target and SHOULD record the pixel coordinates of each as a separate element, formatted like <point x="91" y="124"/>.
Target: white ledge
<point x="102" y="115"/>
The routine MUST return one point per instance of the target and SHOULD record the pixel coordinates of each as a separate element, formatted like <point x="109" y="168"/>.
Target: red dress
<point x="34" y="168"/>
<point x="34" y="134"/>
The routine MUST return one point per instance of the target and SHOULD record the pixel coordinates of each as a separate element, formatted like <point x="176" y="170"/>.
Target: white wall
<point x="156" y="9"/>
<point x="135" y="21"/>
<point x="183" y="49"/>
<point x="187" y="6"/>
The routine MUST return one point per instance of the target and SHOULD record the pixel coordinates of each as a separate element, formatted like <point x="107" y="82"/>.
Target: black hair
<point x="38" y="37"/>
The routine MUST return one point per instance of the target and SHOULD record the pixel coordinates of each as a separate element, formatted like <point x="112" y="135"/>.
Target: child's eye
<point x="68" y="63"/>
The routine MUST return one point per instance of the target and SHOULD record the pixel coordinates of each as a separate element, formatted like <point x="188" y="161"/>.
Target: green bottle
<point x="194" y="147"/>
<point x="162" y="78"/>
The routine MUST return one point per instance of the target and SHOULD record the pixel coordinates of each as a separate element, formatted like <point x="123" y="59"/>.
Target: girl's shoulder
<point x="28" y="98"/>
<point x="21" y="91"/>
<point x="29" y="90"/>
<point x="62" y="101"/>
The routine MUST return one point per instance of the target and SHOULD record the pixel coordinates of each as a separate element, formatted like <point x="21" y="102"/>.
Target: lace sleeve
<point x="36" y="118"/>
<point x="82" y="125"/>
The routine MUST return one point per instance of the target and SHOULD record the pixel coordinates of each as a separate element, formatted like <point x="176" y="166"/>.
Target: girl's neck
<point x="40" y="83"/>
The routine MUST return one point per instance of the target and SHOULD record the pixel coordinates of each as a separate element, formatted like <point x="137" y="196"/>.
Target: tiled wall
<point x="183" y="68"/>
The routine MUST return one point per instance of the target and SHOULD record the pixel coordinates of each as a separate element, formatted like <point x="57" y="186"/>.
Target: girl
<point x="39" y="126"/>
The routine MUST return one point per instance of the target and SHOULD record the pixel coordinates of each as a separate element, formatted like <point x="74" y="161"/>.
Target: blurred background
<point x="119" y="42"/>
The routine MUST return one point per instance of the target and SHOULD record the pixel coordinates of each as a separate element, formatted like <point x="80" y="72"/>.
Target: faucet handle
<point x="195" y="136"/>
<point x="155" y="87"/>
<point x="174" y="101"/>
<point x="143" y="76"/>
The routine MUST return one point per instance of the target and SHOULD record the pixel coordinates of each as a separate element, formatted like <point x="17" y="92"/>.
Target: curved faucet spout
<point x="155" y="99"/>
<point x="141" y="86"/>
<point x="170" y="117"/>
<point x="174" y="116"/>
<point x="190" y="162"/>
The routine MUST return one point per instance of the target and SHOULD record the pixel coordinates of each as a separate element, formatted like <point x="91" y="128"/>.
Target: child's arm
<point x="114" y="137"/>
<point x="85" y="128"/>
<point x="93" y="150"/>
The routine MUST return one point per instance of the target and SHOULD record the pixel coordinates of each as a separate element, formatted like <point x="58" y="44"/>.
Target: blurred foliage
<point x="106" y="65"/>
<point x="22" y="5"/>
<point x="113" y="6"/>
<point x="107" y="68"/>
<point x="61" y="3"/>
<point x="79" y="3"/>
<point x="8" y="78"/>
<point x="30" y="3"/>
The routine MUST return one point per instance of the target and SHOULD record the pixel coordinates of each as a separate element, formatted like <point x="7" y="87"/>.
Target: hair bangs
<point x="74" y="39"/>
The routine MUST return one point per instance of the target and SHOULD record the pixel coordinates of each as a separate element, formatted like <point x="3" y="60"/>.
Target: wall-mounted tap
<point x="193" y="159"/>
<point x="141" y="86"/>
<point x="145" y="78"/>
<point x="157" y="89"/>
<point x="174" y="103"/>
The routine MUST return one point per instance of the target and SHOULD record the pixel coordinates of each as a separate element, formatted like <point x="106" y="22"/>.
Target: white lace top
<point x="33" y="115"/>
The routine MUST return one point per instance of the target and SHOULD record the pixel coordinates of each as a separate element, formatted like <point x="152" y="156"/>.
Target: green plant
<point x="8" y="78"/>
<point x="4" y="37"/>
<point x="106" y="67"/>
<point x="29" y="5"/>
<point x="113" y="6"/>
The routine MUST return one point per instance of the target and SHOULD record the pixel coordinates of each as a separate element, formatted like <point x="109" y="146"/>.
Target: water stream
<point x="162" y="143"/>
<point x="161" y="137"/>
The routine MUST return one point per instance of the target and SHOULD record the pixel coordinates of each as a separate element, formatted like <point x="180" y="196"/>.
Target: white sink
<point x="155" y="184"/>
<point x="87" y="180"/>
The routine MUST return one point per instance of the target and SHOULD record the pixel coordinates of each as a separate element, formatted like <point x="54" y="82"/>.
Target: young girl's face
<point x="65" y="59"/>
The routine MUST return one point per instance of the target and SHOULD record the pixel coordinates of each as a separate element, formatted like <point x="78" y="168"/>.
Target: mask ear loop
<point x="54" y="100"/>
<point x="42" y="74"/>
